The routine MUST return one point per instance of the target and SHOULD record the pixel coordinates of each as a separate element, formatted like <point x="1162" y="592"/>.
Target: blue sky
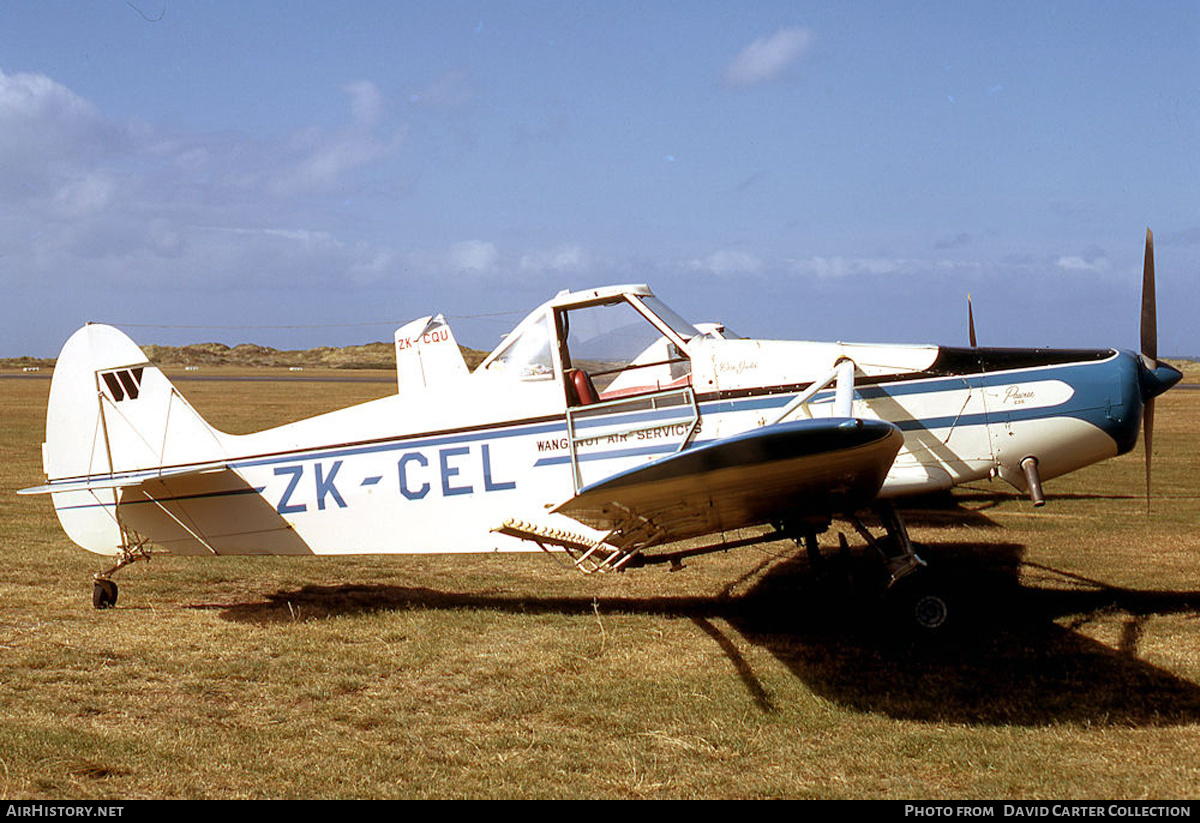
<point x="299" y="174"/>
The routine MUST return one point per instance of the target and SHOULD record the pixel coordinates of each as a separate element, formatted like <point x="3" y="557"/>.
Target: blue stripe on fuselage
<point x="1104" y="394"/>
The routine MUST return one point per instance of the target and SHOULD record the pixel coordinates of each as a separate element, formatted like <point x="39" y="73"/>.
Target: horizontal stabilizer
<point x="113" y="481"/>
<point x="207" y="510"/>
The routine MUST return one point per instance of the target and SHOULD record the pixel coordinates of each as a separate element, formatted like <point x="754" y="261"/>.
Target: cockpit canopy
<point x="603" y="344"/>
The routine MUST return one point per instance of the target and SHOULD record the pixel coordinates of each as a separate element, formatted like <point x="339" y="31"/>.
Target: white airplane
<point x="604" y="426"/>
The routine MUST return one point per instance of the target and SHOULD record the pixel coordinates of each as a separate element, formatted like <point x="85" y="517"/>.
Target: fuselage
<point x="438" y="473"/>
<point x="438" y="466"/>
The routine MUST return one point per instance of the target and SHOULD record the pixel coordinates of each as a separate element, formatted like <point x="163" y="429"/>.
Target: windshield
<point x="676" y="323"/>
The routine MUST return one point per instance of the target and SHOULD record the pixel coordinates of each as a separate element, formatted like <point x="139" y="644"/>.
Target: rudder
<point x="111" y="414"/>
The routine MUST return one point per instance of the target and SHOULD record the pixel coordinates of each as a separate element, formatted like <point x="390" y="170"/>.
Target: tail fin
<point x="427" y="355"/>
<point x="113" y="417"/>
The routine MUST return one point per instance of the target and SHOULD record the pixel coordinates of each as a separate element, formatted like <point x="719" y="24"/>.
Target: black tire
<point x="929" y="611"/>
<point x="104" y="594"/>
<point x="920" y="606"/>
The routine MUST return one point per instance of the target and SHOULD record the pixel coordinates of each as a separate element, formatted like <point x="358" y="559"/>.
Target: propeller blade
<point x="971" y="320"/>
<point x="1149" y="349"/>
<point x="1149" y="305"/>
<point x="1147" y="436"/>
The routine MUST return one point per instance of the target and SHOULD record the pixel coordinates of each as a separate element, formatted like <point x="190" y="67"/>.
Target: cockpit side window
<point x="611" y="350"/>
<point x="528" y="356"/>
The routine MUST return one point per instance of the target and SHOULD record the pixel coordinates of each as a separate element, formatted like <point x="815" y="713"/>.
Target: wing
<point x="800" y="470"/>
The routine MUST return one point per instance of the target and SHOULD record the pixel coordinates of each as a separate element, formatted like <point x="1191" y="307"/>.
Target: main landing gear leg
<point x="912" y="592"/>
<point x="104" y="588"/>
<point x="904" y="560"/>
<point x="805" y="533"/>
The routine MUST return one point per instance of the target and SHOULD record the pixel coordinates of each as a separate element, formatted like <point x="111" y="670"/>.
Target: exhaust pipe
<point x="1033" y="479"/>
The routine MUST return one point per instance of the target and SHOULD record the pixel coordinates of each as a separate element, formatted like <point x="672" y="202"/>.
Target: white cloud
<point x="305" y="238"/>
<point x="164" y="239"/>
<point x="372" y="265"/>
<point x="726" y="263"/>
<point x="147" y="221"/>
<point x="452" y="91"/>
<point x="366" y="103"/>
<point x="563" y="259"/>
<point x="84" y="195"/>
<point x="41" y="119"/>
<point x="852" y="266"/>
<point x="768" y="58"/>
<point x="36" y="97"/>
<point x="1092" y="259"/>
<point x="92" y="203"/>
<point x="57" y="151"/>
<point x="51" y="144"/>
<point x="1077" y="263"/>
<point x="478" y="256"/>
<point x="320" y="161"/>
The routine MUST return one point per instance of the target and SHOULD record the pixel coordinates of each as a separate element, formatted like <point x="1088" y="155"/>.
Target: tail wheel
<point x="104" y="594"/>
<point x="104" y="590"/>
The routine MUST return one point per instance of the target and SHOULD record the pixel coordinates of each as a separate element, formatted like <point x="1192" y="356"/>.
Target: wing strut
<point x="843" y="403"/>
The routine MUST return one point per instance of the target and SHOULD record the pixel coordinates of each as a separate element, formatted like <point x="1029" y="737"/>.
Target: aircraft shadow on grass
<point x="970" y="507"/>
<point x="1008" y="661"/>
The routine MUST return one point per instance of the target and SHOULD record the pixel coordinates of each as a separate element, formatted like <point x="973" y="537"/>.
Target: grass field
<point x="1075" y="674"/>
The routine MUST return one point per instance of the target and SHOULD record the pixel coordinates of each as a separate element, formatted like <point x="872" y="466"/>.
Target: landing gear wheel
<point x="920" y="606"/>
<point x="930" y="611"/>
<point x="104" y="590"/>
<point x="104" y="594"/>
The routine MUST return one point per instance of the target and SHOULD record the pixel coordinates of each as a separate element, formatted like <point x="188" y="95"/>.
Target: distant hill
<point x="18" y="363"/>
<point x="369" y="356"/>
<point x="249" y="355"/>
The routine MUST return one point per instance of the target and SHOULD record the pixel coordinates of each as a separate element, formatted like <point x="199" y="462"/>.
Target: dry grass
<point x="746" y="675"/>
